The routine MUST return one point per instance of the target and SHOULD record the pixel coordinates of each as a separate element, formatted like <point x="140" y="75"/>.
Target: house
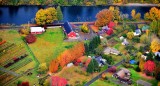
<point x="109" y="50"/>
<point x="37" y="30"/>
<point x="125" y="42"/>
<point x="123" y="75"/>
<point x="137" y="32"/>
<point x="68" y="30"/>
<point x="100" y="61"/>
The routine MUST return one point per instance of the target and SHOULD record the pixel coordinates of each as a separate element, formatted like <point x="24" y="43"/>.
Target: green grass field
<point x="49" y="45"/>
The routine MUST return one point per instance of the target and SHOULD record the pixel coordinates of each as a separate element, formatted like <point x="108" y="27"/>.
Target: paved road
<point x="9" y="72"/>
<point x="105" y="71"/>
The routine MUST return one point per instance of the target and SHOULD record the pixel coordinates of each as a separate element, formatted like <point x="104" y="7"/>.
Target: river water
<point x="25" y="14"/>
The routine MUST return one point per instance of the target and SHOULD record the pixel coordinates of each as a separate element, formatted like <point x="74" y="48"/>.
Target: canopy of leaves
<point x="149" y="66"/>
<point x="104" y="17"/>
<point x="30" y="38"/>
<point x="46" y="16"/>
<point x="153" y="14"/>
<point x="155" y="45"/>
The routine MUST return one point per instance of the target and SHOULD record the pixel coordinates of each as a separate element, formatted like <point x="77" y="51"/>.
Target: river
<point x="25" y="14"/>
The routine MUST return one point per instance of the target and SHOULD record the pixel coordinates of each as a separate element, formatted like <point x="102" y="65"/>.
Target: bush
<point x="137" y="69"/>
<point x="24" y="31"/>
<point x="144" y="39"/>
<point x="124" y="35"/>
<point x="136" y="39"/>
<point x="30" y="38"/>
<point x="158" y="76"/>
<point x="85" y="28"/>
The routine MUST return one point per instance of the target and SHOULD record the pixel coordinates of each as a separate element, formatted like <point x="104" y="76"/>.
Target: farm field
<point x="13" y="57"/>
<point x="49" y="45"/>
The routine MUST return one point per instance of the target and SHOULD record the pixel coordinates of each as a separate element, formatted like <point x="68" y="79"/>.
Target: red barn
<point x="69" y="31"/>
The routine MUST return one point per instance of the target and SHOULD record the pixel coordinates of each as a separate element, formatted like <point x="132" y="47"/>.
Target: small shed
<point x="100" y="61"/>
<point x="37" y="30"/>
<point x="68" y="30"/>
<point x="137" y="32"/>
<point x="125" y="42"/>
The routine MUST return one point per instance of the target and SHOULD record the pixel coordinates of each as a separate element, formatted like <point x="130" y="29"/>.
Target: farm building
<point x="68" y="30"/>
<point x="37" y="30"/>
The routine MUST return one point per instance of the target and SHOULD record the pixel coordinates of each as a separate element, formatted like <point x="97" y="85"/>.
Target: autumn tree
<point x="155" y="45"/>
<point x="116" y="13"/>
<point x="59" y="13"/>
<point x="58" y="81"/>
<point x="149" y="66"/>
<point x="155" y="27"/>
<point x="42" y="68"/>
<point x="141" y="64"/>
<point x="30" y="38"/>
<point x="144" y="39"/>
<point x="130" y="35"/>
<point x="85" y="28"/>
<point x="134" y="15"/>
<point x="53" y="67"/>
<point x="104" y="17"/>
<point x="153" y="14"/>
<point x="46" y="16"/>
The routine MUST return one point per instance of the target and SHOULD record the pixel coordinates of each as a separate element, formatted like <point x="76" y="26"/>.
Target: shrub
<point x="158" y="77"/>
<point x="30" y="38"/>
<point x="144" y="38"/>
<point x="136" y="39"/>
<point x="24" y="31"/>
<point x="130" y="35"/>
<point x="84" y="28"/>
<point x="137" y="69"/>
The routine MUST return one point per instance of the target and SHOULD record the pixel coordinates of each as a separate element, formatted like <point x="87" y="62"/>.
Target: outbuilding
<point x="37" y="30"/>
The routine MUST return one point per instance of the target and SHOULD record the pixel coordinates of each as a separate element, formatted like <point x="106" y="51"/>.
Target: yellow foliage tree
<point x="85" y="28"/>
<point x="153" y="14"/>
<point x="103" y="17"/>
<point x="155" y="45"/>
<point x="130" y="35"/>
<point x="141" y="64"/>
<point x="46" y="16"/>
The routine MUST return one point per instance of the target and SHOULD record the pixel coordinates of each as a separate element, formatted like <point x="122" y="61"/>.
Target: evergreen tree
<point x="90" y="68"/>
<point x="59" y="13"/>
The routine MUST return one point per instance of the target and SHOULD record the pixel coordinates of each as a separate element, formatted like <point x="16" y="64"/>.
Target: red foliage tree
<point x="53" y="67"/>
<point x="110" y="31"/>
<point x="24" y="84"/>
<point x="30" y="38"/>
<point x="57" y="81"/>
<point x="112" y="69"/>
<point x="149" y="66"/>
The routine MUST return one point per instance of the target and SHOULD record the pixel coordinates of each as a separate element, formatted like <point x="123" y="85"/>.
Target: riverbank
<point x="137" y="4"/>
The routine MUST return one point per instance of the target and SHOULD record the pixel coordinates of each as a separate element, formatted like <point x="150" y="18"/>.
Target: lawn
<point x="75" y="75"/>
<point x="49" y="45"/>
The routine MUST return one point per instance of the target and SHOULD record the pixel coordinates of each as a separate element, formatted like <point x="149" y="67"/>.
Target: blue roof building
<point x="68" y="29"/>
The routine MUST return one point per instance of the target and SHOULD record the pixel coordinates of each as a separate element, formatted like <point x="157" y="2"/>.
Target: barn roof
<point x="67" y="27"/>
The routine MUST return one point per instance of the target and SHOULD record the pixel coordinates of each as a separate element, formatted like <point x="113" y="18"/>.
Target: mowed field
<point x="49" y="45"/>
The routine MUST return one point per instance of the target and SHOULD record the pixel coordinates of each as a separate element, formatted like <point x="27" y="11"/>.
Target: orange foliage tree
<point x="155" y="45"/>
<point x="53" y="67"/>
<point x="104" y="17"/>
<point x="153" y="14"/>
<point x="71" y="54"/>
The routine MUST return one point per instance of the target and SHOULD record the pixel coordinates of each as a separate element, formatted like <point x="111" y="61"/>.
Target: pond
<point x="25" y="14"/>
